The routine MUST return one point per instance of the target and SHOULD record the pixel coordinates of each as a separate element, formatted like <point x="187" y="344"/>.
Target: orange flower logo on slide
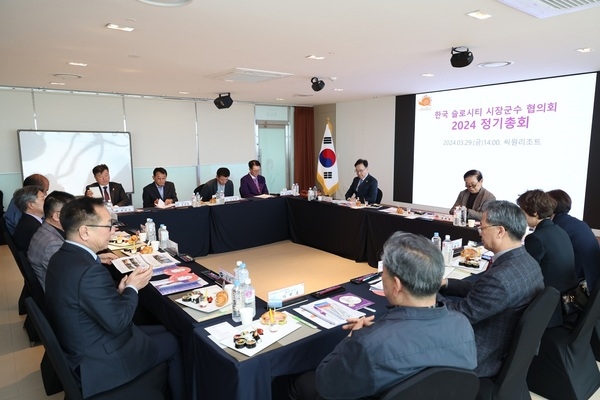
<point x="425" y="101"/>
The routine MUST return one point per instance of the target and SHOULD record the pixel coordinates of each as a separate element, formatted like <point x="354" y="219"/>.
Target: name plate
<point x="186" y="203"/>
<point x="286" y="193"/>
<point x="123" y="209"/>
<point x="275" y="298"/>
<point x="326" y="199"/>
<point x="227" y="199"/>
<point x="457" y="243"/>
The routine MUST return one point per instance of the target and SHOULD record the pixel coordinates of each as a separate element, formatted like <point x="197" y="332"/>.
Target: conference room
<point x="377" y="115"/>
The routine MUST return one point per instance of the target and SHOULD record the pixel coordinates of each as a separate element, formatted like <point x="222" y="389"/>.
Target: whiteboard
<point x="67" y="158"/>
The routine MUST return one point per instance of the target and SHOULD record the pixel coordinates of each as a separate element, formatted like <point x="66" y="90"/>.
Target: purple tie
<point x="106" y="196"/>
<point x="257" y="185"/>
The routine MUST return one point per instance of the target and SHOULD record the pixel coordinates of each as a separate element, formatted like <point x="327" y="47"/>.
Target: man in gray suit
<point x="475" y="197"/>
<point x="497" y="299"/>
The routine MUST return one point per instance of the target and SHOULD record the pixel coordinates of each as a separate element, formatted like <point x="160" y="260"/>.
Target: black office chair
<point x="436" y="383"/>
<point x="379" y="196"/>
<point x="511" y="382"/>
<point x="565" y="367"/>
<point x="199" y="189"/>
<point x="151" y="385"/>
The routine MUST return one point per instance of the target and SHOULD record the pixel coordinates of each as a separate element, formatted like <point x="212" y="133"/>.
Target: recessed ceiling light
<point x="585" y="50"/>
<point x="495" y="64"/>
<point x="183" y="92"/>
<point x="479" y="15"/>
<point x="427" y="75"/>
<point x="119" y="27"/>
<point x="57" y="83"/>
<point x="166" y="3"/>
<point x="77" y="64"/>
<point x="280" y="99"/>
<point x="313" y="57"/>
<point x="338" y="90"/>
<point x="67" y="76"/>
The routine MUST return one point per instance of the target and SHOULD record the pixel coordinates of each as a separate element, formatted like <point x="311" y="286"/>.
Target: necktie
<point x="106" y="195"/>
<point x="359" y="183"/>
<point x="257" y="185"/>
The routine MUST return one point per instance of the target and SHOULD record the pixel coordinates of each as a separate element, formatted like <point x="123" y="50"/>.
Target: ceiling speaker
<point x="317" y="84"/>
<point x="461" y="57"/>
<point x="223" y="101"/>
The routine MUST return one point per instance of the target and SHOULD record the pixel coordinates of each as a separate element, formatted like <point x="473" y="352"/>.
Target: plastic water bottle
<point x="221" y="197"/>
<point x="151" y="230"/>
<point x="111" y="210"/>
<point x="463" y="216"/>
<point x="310" y="194"/>
<point x="163" y="235"/>
<point x="447" y="251"/>
<point x="249" y="296"/>
<point x="456" y="221"/>
<point x="243" y="273"/>
<point x="195" y="200"/>
<point x="236" y="301"/>
<point x="236" y="270"/>
<point x="437" y="240"/>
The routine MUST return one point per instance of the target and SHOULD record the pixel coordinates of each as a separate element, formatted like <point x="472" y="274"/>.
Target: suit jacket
<point x="26" y="228"/>
<point x="11" y="216"/>
<point x="494" y="304"/>
<point x="585" y="247"/>
<point x="44" y="243"/>
<point x="150" y="193"/>
<point x="118" y="196"/>
<point x="92" y="321"/>
<point x="212" y="186"/>
<point x="484" y="197"/>
<point x="551" y="247"/>
<point x="248" y="188"/>
<point x="367" y="191"/>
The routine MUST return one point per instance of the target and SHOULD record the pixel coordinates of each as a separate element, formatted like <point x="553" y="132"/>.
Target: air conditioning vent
<point x="550" y="8"/>
<point x="249" y="75"/>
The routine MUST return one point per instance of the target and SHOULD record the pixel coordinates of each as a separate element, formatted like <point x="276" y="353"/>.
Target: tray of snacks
<point x="207" y="299"/>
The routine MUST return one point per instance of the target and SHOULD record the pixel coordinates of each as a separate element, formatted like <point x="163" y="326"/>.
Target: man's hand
<point x="106" y="258"/>
<point x="355" y="324"/>
<point x="168" y="201"/>
<point x="139" y="278"/>
<point x="89" y="193"/>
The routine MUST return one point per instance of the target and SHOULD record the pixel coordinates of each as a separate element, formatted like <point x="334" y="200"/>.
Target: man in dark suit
<point x="253" y="184"/>
<point x="30" y="201"/>
<point x="215" y="185"/>
<point x="92" y="318"/>
<point x="364" y="186"/>
<point x="110" y="191"/>
<point x="160" y="189"/>
<point x="495" y="302"/>
<point x="585" y="244"/>
<point x="13" y="214"/>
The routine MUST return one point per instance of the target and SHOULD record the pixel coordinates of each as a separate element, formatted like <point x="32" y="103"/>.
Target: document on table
<point x="327" y="313"/>
<point x="153" y="260"/>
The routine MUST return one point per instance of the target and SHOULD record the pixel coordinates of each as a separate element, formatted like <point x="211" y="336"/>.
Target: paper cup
<point x="246" y="315"/>
<point x="228" y="288"/>
<point x="471" y="223"/>
<point x="155" y="244"/>
<point x="143" y="236"/>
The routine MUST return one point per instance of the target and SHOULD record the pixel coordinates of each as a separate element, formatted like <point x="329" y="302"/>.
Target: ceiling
<point x="372" y="48"/>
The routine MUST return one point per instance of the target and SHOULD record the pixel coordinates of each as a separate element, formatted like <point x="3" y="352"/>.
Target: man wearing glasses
<point x="364" y="186"/>
<point x="254" y="183"/>
<point x="495" y="302"/>
<point x="475" y="197"/>
<point x="92" y="318"/>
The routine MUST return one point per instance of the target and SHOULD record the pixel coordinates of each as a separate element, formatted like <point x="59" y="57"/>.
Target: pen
<point x="304" y="322"/>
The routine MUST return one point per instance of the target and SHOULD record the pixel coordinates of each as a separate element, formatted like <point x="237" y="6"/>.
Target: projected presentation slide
<point x="521" y="136"/>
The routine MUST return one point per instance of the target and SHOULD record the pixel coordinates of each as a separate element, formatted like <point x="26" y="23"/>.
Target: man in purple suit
<point x="253" y="184"/>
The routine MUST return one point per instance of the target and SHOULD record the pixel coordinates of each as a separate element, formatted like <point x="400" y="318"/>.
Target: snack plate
<point x="266" y="339"/>
<point x="210" y="307"/>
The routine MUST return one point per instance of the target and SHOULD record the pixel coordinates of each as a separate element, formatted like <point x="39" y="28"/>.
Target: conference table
<point x="357" y="234"/>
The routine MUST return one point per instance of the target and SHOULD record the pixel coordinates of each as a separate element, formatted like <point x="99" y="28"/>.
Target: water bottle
<point x="195" y="200"/>
<point x="163" y="235"/>
<point x="310" y="194"/>
<point x="463" y="216"/>
<point x="456" y="221"/>
<point x="236" y="301"/>
<point x="151" y="230"/>
<point x="221" y="197"/>
<point x="437" y="240"/>
<point x="249" y="296"/>
<point x="243" y="273"/>
<point x="295" y="189"/>
<point x="447" y="251"/>
<point x="111" y="210"/>
<point x="315" y="193"/>
<point x="236" y="270"/>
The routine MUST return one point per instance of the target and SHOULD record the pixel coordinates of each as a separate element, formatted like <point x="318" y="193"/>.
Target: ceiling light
<point x="495" y="64"/>
<point x="461" y="57"/>
<point x="77" y="64"/>
<point x="67" y="76"/>
<point x="119" y="27"/>
<point x="166" y="3"/>
<point x="317" y="84"/>
<point x="183" y="92"/>
<point x="585" y="50"/>
<point x="338" y="90"/>
<point x="223" y="101"/>
<point x="57" y="83"/>
<point x="479" y="15"/>
<point x="313" y="57"/>
<point x="427" y="75"/>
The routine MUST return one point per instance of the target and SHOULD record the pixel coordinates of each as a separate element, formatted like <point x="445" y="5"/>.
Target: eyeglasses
<point x="360" y="171"/>
<point x="111" y="226"/>
<point x="471" y="185"/>
<point x="484" y="227"/>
